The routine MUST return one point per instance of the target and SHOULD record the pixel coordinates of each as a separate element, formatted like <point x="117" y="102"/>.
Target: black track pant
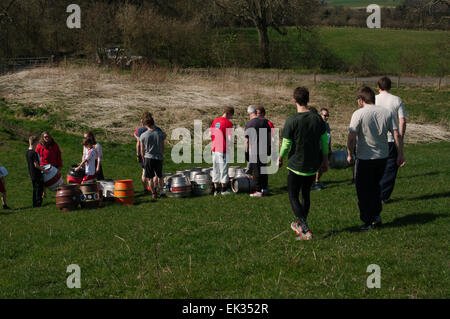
<point x="390" y="173"/>
<point x="261" y="180"/>
<point x="38" y="190"/>
<point x="368" y="177"/>
<point x="297" y="184"/>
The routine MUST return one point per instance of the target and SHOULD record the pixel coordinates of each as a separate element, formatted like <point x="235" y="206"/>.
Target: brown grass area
<point x="113" y="101"/>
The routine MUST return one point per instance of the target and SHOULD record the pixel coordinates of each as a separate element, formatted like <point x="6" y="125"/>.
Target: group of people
<point x="45" y="150"/>
<point x="374" y="145"/>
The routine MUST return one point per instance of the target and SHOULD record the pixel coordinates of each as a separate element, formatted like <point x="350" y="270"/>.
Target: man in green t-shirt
<point x="302" y="134"/>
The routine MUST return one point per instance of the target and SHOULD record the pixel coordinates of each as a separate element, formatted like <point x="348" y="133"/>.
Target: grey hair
<point x="251" y="109"/>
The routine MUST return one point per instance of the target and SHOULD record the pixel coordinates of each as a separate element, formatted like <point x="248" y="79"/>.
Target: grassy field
<point x="363" y="3"/>
<point x="233" y="247"/>
<point x="386" y="50"/>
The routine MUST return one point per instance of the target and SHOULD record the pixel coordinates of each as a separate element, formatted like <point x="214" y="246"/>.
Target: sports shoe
<point x="316" y="187"/>
<point x="216" y="193"/>
<point x="367" y="227"/>
<point x="295" y="226"/>
<point x="304" y="236"/>
<point x="6" y="207"/>
<point x="226" y="192"/>
<point x="265" y="192"/>
<point x="377" y="222"/>
<point x="257" y="194"/>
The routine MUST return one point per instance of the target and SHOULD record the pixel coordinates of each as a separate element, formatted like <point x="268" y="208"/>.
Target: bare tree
<point x="268" y="13"/>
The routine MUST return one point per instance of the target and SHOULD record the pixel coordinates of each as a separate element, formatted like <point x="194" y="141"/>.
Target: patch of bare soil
<point x="113" y="102"/>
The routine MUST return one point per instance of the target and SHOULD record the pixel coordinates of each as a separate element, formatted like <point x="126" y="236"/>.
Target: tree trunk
<point x="264" y="44"/>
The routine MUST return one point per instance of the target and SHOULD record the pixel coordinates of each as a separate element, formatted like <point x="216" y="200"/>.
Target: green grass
<point x="389" y="51"/>
<point x="363" y="3"/>
<point x="423" y="103"/>
<point x="233" y="247"/>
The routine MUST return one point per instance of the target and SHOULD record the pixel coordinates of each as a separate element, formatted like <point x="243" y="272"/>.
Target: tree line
<point x="194" y="32"/>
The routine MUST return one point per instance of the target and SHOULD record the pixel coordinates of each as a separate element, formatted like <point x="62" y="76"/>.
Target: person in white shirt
<point x="98" y="161"/>
<point x="89" y="161"/>
<point x="368" y="129"/>
<point x="395" y="105"/>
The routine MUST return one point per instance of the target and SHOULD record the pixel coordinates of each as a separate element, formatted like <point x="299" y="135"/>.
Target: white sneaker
<point x="226" y="192"/>
<point x="257" y="194"/>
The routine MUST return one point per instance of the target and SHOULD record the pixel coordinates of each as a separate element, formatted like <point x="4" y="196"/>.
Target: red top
<point x="271" y="125"/>
<point x="218" y="131"/>
<point x="50" y="155"/>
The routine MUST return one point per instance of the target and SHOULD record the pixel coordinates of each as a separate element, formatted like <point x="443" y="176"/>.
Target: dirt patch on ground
<point x="113" y="102"/>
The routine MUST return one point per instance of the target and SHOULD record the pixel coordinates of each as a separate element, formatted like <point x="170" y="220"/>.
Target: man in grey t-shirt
<point x="395" y="105"/>
<point x="368" y="129"/>
<point x="152" y="148"/>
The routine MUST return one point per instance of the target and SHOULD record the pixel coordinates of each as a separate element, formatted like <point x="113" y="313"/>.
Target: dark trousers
<point x="368" y="176"/>
<point x="390" y="173"/>
<point x="297" y="184"/>
<point x="99" y="176"/>
<point x="261" y="180"/>
<point x="38" y="190"/>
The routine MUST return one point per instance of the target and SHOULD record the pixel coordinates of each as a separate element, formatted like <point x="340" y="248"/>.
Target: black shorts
<point x="153" y="167"/>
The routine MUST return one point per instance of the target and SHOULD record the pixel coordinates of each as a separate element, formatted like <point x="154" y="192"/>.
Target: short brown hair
<point x="32" y="140"/>
<point x="92" y="137"/>
<point x="87" y="141"/>
<point x="146" y="115"/>
<point x="366" y="94"/>
<point x="384" y="83"/>
<point x="149" y="121"/>
<point x="229" y="110"/>
<point x="301" y="96"/>
<point x="261" y="110"/>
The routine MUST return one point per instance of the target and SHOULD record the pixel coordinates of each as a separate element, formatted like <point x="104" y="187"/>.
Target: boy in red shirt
<point x="219" y="137"/>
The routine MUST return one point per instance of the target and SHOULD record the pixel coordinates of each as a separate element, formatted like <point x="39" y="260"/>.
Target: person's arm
<point x="351" y="143"/>
<point x="39" y="167"/>
<point x="99" y="151"/>
<point x="399" y="144"/>
<point x="285" y="147"/>
<point x="142" y="150"/>
<point x="402" y="127"/>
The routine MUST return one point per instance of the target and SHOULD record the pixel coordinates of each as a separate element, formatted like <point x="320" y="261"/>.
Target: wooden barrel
<point x="90" y="195"/>
<point x="124" y="192"/>
<point x="68" y="197"/>
<point x="203" y="184"/>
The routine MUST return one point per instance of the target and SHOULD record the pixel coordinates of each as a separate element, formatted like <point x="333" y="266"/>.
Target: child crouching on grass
<point x="89" y="160"/>
<point x="3" y="173"/>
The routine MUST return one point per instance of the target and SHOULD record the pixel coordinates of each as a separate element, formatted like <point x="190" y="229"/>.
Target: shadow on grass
<point x="413" y="219"/>
<point x="420" y="175"/>
<point x="430" y="196"/>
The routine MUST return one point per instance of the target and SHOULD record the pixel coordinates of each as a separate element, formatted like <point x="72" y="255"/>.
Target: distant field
<point x="386" y="48"/>
<point x="363" y="3"/>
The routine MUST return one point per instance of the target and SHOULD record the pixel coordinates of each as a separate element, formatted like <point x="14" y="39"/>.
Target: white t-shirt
<point x="98" y="148"/>
<point x="392" y="103"/>
<point x="372" y="123"/>
<point x="90" y="161"/>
